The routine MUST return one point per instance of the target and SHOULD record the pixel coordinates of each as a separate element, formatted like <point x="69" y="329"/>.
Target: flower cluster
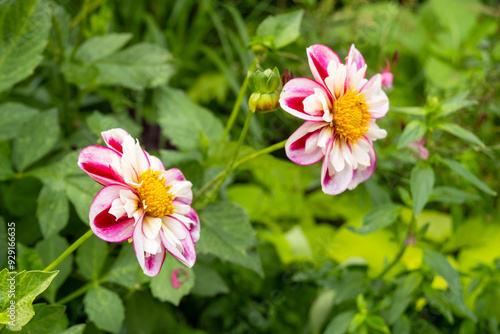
<point x="340" y="108"/>
<point x="141" y="202"/>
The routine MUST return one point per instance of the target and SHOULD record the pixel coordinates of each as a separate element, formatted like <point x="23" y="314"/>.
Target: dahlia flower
<point x="141" y="202"/>
<point x="340" y="108"/>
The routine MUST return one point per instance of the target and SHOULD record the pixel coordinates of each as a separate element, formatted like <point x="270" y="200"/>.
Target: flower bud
<point x="265" y="86"/>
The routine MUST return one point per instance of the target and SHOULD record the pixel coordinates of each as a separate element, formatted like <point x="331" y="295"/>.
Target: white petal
<point x="181" y="189"/>
<point x="324" y="136"/>
<point x="374" y="132"/>
<point x="181" y="208"/>
<point x="152" y="246"/>
<point x="336" y="157"/>
<point x="151" y="227"/>
<point x="185" y="220"/>
<point x="360" y="155"/>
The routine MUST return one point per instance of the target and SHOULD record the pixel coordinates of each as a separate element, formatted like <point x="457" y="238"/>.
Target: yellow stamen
<point x="154" y="194"/>
<point x="351" y="116"/>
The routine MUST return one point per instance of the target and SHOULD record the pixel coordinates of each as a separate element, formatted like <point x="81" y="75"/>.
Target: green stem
<point x="237" y="164"/>
<point x="229" y="167"/>
<point x="77" y="293"/>
<point x="68" y="251"/>
<point x="237" y="103"/>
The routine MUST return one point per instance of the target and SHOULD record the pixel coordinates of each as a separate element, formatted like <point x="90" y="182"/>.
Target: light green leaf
<point x="52" y="209"/>
<point x="377" y="219"/>
<point x="171" y="158"/>
<point x="13" y="116"/>
<point x="36" y="138"/>
<point x="377" y="322"/>
<point x="48" y="319"/>
<point x="161" y="285"/>
<point x="284" y="28"/>
<point x="99" y="122"/>
<point x="421" y="185"/>
<point x="140" y="66"/>
<point x="104" y="308"/>
<point x="461" y="133"/>
<point x="6" y="170"/>
<point x="90" y="257"/>
<point x="412" y="132"/>
<point x="49" y="250"/>
<point x="227" y="234"/>
<point x="452" y="195"/>
<point x="101" y="46"/>
<point x="440" y="265"/>
<point x="81" y="191"/>
<point x="207" y="282"/>
<point x="58" y="170"/>
<point x="76" y="329"/>
<point x="416" y="111"/>
<point x="340" y="324"/>
<point x="403" y="296"/>
<point x="184" y="122"/>
<point x="456" y="103"/>
<point x="28" y="285"/>
<point x="125" y="269"/>
<point x="320" y="309"/>
<point x="466" y="174"/>
<point x="25" y="27"/>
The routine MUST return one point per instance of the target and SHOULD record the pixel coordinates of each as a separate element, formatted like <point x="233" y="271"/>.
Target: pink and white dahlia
<point x="339" y="108"/>
<point x="141" y="201"/>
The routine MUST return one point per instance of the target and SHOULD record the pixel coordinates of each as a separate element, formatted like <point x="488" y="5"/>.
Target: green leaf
<point x="157" y="317"/>
<point x="52" y="209"/>
<point x="48" y="319"/>
<point x="377" y="219"/>
<point x="416" y="111"/>
<point x="283" y="28"/>
<point x="125" y="269"/>
<point x="412" y="132"/>
<point x="101" y="46"/>
<point x="13" y="116"/>
<point x="207" y="282"/>
<point x="461" y="133"/>
<point x="456" y="103"/>
<point x="320" y="309"/>
<point x="76" y="329"/>
<point x="56" y="171"/>
<point x="81" y="191"/>
<point x="162" y="287"/>
<point x="90" y="257"/>
<point x="49" y="250"/>
<point x="6" y="170"/>
<point x="421" y="185"/>
<point x="340" y="324"/>
<point x="25" y="28"/>
<point x="140" y="66"/>
<point x="376" y="322"/>
<point x="227" y="234"/>
<point x="403" y="296"/>
<point x="28" y="285"/>
<point x="440" y="265"/>
<point x="99" y="122"/>
<point x="184" y="122"/>
<point x="104" y="308"/>
<point x="35" y="139"/>
<point x="466" y="174"/>
<point x="173" y="158"/>
<point x="452" y="195"/>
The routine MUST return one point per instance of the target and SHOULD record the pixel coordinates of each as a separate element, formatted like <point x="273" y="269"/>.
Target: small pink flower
<point x="174" y="277"/>
<point x="340" y="108"/>
<point x="387" y="76"/>
<point x="421" y="151"/>
<point x="141" y="200"/>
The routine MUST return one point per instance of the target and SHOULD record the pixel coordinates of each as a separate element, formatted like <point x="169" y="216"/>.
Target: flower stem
<point x="237" y="164"/>
<point x="237" y="103"/>
<point x="68" y="251"/>
<point x="229" y="167"/>
<point x="77" y="293"/>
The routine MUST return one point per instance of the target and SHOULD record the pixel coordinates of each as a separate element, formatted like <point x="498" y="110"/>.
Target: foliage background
<point x="412" y="250"/>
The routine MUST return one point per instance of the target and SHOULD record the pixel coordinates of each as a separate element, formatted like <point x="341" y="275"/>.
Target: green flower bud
<point x="264" y="102"/>
<point x="266" y="86"/>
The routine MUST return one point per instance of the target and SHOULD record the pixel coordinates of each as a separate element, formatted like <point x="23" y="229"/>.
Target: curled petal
<point x="156" y="163"/>
<point x="319" y="57"/>
<point x="150" y="263"/>
<point x="293" y="99"/>
<point x="173" y="175"/>
<point x="114" y="138"/>
<point x="355" y="58"/>
<point x="360" y="175"/>
<point x="134" y="162"/>
<point x="99" y="163"/>
<point x="191" y="221"/>
<point x="105" y="225"/>
<point x="182" y="191"/>
<point x="302" y="146"/>
<point x="334" y="183"/>
<point x="375" y="97"/>
<point x="178" y="241"/>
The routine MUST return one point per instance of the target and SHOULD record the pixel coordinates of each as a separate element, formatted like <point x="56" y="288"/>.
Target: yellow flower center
<point x="351" y="116"/>
<point x="154" y="194"/>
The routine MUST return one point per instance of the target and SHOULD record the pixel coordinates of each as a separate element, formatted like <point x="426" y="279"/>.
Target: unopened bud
<point x="265" y="86"/>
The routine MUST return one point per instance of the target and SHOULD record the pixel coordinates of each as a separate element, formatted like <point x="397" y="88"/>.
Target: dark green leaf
<point x="52" y="209"/>
<point x="456" y="103"/>
<point x="13" y="116"/>
<point x="48" y="319"/>
<point x="207" y="282"/>
<point x="90" y="257"/>
<point x="377" y="219"/>
<point x="461" y="133"/>
<point x="421" y="185"/>
<point x="162" y="287"/>
<point x="125" y="269"/>
<point x="340" y="323"/>
<point x="452" y="195"/>
<point x="104" y="308"/>
<point x="81" y="191"/>
<point x="99" y="122"/>
<point x="376" y="322"/>
<point x="25" y="27"/>
<point x="101" y="46"/>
